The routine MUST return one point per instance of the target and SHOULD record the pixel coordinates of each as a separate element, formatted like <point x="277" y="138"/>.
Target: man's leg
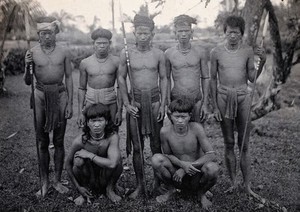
<point x="58" y="141"/>
<point x="164" y="170"/>
<point x="210" y="172"/>
<point x="137" y="162"/>
<point x="245" y="159"/>
<point x="43" y="142"/>
<point x="112" y="177"/>
<point x="155" y="143"/>
<point x="82" y="174"/>
<point x="227" y="126"/>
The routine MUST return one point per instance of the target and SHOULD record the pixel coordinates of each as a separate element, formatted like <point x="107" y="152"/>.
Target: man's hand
<point x="189" y="168"/>
<point x="178" y="175"/>
<point x="203" y="113"/>
<point x="28" y="57"/>
<point x="161" y="113"/>
<point x="80" y="120"/>
<point x="261" y="53"/>
<point x="134" y="111"/>
<point x="69" y="111"/>
<point x="84" y="192"/>
<point x="84" y="154"/>
<point x="118" y="118"/>
<point x="217" y="115"/>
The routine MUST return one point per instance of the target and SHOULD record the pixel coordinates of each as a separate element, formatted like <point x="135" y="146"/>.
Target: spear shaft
<point x="254" y="83"/>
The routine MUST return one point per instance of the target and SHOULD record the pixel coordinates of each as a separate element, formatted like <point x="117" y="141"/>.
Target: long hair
<point x="97" y="111"/>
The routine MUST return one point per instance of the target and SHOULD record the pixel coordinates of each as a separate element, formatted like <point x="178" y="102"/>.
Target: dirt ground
<point x="274" y="150"/>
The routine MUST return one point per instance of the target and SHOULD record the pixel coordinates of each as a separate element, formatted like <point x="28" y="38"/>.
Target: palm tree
<point x="63" y="17"/>
<point x="17" y="15"/>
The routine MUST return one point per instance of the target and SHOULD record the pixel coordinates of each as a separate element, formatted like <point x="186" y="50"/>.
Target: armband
<point x="209" y="152"/>
<point x="93" y="158"/>
<point x="80" y="88"/>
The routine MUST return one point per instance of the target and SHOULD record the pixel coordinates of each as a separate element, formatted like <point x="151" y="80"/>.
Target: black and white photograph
<point x="149" y="105"/>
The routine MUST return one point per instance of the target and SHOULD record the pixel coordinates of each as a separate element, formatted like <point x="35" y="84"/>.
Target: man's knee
<point x="211" y="170"/>
<point x="157" y="160"/>
<point x="229" y="144"/>
<point x="78" y="162"/>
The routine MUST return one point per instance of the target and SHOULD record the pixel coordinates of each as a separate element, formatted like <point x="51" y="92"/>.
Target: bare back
<point x="100" y="74"/>
<point x="49" y="68"/>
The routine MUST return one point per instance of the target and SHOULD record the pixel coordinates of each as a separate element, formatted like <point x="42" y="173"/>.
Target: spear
<point x="31" y="69"/>
<point x="132" y="99"/>
<point x="254" y="83"/>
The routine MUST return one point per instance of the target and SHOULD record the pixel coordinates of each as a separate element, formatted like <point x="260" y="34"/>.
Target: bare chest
<point x="190" y="61"/>
<point x="144" y="61"/>
<point x="98" y="148"/>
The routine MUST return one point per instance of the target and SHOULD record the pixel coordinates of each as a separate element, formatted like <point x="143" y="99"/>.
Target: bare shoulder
<point x="196" y="127"/>
<point x="247" y="48"/>
<point x="115" y="59"/>
<point x="165" y="130"/>
<point x="216" y="50"/>
<point x="170" y="51"/>
<point x="113" y="138"/>
<point x="199" y="49"/>
<point x="157" y="51"/>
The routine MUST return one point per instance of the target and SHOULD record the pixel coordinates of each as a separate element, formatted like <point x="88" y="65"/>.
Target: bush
<point x="14" y="63"/>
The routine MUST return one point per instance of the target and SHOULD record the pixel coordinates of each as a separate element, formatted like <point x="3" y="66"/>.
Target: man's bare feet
<point x="79" y="200"/>
<point x="113" y="196"/>
<point x="42" y="193"/>
<point x="165" y="197"/>
<point x="249" y="191"/>
<point x="205" y="202"/>
<point x="60" y="188"/>
<point x="209" y="194"/>
<point x="136" y="193"/>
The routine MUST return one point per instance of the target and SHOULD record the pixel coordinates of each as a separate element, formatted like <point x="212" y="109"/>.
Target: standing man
<point x="149" y="84"/>
<point x="188" y="160"/>
<point x="98" y="74"/>
<point x="53" y="100"/>
<point x="187" y="64"/>
<point x="233" y="64"/>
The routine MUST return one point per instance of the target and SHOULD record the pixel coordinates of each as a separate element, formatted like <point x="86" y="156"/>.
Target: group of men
<point x="183" y="157"/>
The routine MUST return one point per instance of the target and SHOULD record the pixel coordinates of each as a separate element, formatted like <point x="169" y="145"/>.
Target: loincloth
<point x="232" y="95"/>
<point x="105" y="96"/>
<point x="195" y="95"/>
<point x="145" y="98"/>
<point x="52" y="104"/>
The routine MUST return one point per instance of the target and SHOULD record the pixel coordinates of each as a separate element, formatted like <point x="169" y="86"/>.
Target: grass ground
<point x="274" y="148"/>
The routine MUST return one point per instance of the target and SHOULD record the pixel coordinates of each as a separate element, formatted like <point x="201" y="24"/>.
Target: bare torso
<point x="144" y="67"/>
<point x="186" y="69"/>
<point x="232" y="66"/>
<point x="49" y="68"/>
<point x="101" y="74"/>
<point x="97" y="147"/>
<point x="184" y="147"/>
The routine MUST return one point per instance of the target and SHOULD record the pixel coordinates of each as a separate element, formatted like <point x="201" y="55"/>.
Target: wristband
<point x="93" y="158"/>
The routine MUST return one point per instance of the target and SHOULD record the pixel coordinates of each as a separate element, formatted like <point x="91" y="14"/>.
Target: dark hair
<point x="94" y="111"/>
<point x="234" y="21"/>
<point x="181" y="105"/>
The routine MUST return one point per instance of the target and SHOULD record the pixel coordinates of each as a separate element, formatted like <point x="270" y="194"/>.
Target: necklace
<point x="232" y="51"/>
<point x="184" y="134"/>
<point x="48" y="51"/>
<point x="98" y="139"/>
<point x="184" y="51"/>
<point x="101" y="60"/>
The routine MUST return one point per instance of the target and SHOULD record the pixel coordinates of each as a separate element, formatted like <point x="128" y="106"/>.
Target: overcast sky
<point x="102" y="9"/>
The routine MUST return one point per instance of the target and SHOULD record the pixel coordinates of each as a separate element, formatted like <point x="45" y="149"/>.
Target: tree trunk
<point x="252" y="13"/>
